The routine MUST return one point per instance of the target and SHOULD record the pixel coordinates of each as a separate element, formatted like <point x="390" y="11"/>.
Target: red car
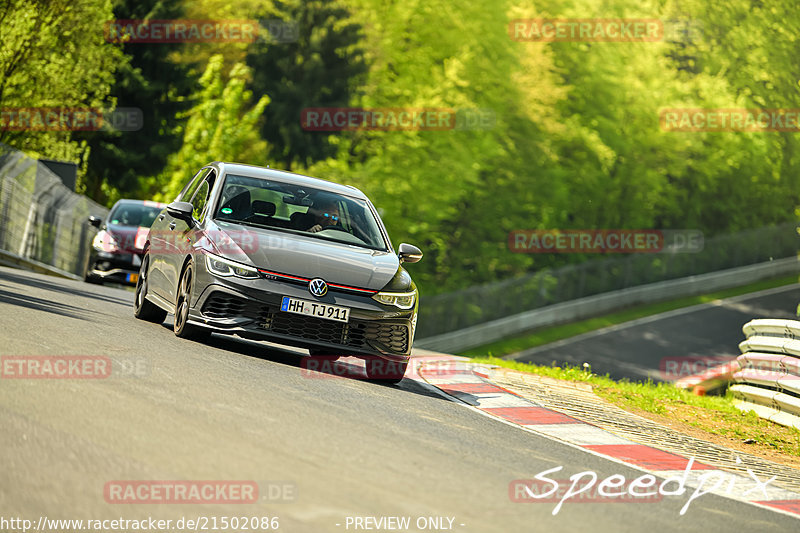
<point x="116" y="252"/>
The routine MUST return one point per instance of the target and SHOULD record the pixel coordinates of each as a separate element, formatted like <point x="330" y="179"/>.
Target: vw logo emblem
<point x="318" y="287"/>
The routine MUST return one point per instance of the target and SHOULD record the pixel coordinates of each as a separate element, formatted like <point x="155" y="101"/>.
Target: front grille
<point x="392" y="336"/>
<point x="308" y="328"/>
<point x="387" y="337"/>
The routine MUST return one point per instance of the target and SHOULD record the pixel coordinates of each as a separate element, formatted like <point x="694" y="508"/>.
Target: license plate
<point x="132" y="278"/>
<point x="319" y="310"/>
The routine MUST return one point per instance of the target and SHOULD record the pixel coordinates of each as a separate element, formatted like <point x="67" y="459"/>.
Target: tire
<point x="144" y="309"/>
<point x="181" y="327"/>
<point x="385" y="371"/>
<point x="87" y="277"/>
<point x="91" y="279"/>
<point x="322" y="354"/>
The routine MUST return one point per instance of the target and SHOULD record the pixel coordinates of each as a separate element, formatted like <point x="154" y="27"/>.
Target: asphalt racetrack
<point x="650" y="347"/>
<point x="322" y="450"/>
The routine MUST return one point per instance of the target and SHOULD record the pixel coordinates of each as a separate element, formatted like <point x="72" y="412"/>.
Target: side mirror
<point x="181" y="211"/>
<point x="409" y="253"/>
<point x="95" y="221"/>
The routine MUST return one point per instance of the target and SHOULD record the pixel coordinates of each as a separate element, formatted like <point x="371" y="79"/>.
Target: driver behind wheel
<point x="325" y="214"/>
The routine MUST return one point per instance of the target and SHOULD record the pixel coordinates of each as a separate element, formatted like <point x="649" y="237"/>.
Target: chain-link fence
<point x="40" y="218"/>
<point x="475" y="305"/>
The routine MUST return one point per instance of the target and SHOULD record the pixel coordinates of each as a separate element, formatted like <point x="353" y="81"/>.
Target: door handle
<point x="161" y="216"/>
<point x="171" y="225"/>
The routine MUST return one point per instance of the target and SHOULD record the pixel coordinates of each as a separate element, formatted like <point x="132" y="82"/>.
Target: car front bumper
<point x="251" y="308"/>
<point x="116" y="267"/>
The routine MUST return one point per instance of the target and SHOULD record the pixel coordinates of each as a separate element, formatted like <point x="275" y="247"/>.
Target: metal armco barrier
<point x="768" y="378"/>
<point x="42" y="222"/>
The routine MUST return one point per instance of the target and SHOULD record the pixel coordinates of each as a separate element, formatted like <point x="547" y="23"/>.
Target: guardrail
<point x="768" y="378"/>
<point x="463" y="309"/>
<point x="579" y="309"/>
<point x="42" y="221"/>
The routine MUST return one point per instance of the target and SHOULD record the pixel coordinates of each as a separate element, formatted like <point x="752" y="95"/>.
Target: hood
<point x="303" y="256"/>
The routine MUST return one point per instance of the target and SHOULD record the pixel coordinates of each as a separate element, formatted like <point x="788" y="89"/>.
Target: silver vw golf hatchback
<point x="268" y="254"/>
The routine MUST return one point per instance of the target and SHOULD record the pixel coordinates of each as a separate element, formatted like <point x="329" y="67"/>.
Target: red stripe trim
<point x="336" y="285"/>
<point x="368" y="291"/>
<point x="282" y="275"/>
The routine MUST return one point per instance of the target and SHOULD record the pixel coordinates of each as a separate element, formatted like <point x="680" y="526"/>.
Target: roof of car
<point x="148" y="203"/>
<point x="288" y="177"/>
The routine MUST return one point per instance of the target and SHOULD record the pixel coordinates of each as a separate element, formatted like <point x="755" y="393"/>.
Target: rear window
<point x="131" y="214"/>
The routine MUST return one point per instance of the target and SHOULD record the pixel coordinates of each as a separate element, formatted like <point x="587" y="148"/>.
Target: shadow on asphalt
<point x="39" y="304"/>
<point x="347" y="368"/>
<point x="82" y="290"/>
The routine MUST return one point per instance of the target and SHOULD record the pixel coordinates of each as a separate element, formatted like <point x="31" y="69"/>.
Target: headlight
<point x="224" y="267"/>
<point x="403" y="300"/>
<point x="105" y="242"/>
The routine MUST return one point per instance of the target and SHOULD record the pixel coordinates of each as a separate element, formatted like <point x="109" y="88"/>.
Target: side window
<point x="192" y="186"/>
<point x="200" y="198"/>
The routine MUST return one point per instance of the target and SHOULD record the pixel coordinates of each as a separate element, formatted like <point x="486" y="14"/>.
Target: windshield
<point x="299" y="209"/>
<point x="133" y="214"/>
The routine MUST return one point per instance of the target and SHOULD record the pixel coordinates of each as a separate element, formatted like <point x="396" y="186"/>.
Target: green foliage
<point x="53" y="54"/>
<point x="153" y="83"/>
<point x="318" y="69"/>
<point x="577" y="143"/>
<point x="574" y="141"/>
<point x="219" y="127"/>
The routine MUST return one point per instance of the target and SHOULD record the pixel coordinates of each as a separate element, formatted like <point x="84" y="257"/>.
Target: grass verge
<point x="712" y="418"/>
<point x="544" y="336"/>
